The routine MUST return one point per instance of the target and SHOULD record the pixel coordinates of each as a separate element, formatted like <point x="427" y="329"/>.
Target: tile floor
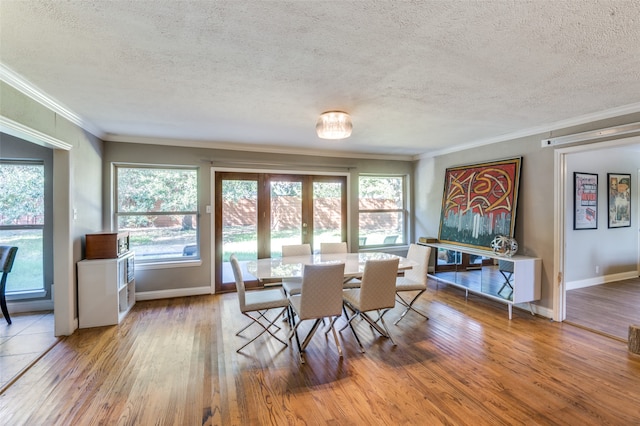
<point x="23" y="341"/>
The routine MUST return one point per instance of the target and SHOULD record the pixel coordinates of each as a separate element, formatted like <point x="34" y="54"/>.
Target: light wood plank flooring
<point x="608" y="308"/>
<point x="173" y="362"/>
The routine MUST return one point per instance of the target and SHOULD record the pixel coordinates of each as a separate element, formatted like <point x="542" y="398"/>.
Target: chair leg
<point x="262" y="317"/>
<point x="374" y="324"/>
<point x="348" y="324"/>
<point x="384" y="324"/>
<point x="409" y="306"/>
<point x="335" y="337"/>
<point x="266" y="329"/>
<point x="3" y="301"/>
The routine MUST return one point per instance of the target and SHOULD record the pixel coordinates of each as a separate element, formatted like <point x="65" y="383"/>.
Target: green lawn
<point x="27" y="272"/>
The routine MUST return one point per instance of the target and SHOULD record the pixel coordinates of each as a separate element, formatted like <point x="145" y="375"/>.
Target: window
<point x="22" y="222"/>
<point x="159" y="208"/>
<point x="382" y="210"/>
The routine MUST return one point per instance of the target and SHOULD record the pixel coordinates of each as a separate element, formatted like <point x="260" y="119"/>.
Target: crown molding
<point x="271" y="149"/>
<point x="21" y="131"/>
<point x="29" y="89"/>
<point x="537" y="130"/>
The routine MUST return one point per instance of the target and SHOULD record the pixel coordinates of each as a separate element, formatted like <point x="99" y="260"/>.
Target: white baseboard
<point x="175" y="292"/>
<point x="538" y="310"/>
<point x="573" y="285"/>
<point x="30" y="306"/>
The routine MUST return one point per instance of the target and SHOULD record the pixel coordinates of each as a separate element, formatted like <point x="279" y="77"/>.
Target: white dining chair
<point x="337" y="248"/>
<point x="296" y="250"/>
<point x="414" y="279"/>
<point x="293" y="285"/>
<point x="320" y="297"/>
<point x="258" y="302"/>
<point x="376" y="293"/>
<point x="331" y="248"/>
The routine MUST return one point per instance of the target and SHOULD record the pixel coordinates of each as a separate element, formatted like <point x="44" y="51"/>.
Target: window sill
<point x="25" y="294"/>
<point x="168" y="265"/>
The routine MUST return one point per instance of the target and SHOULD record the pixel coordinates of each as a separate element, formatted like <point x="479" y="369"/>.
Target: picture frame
<point x="585" y="201"/>
<point x="619" y="200"/>
<point x="479" y="202"/>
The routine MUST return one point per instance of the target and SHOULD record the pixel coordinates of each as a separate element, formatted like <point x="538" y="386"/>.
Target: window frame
<point x="404" y="211"/>
<point x="155" y="262"/>
<point x="40" y="291"/>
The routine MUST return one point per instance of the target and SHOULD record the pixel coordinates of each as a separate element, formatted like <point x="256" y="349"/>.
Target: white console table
<point x="509" y="280"/>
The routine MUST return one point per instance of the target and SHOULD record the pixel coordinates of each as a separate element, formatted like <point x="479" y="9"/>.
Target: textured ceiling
<point x="416" y="76"/>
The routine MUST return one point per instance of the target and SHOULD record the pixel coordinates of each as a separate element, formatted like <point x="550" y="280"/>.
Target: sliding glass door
<point x="256" y="214"/>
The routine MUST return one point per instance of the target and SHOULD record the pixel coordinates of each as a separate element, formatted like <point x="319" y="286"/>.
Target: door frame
<point x="213" y="271"/>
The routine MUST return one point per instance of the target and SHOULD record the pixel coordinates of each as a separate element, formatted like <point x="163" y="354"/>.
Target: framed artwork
<point x="585" y="201"/>
<point x="479" y="202"/>
<point x="619" y="200"/>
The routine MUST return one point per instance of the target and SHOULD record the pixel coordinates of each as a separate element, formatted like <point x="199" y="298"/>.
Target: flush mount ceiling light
<point x="334" y="125"/>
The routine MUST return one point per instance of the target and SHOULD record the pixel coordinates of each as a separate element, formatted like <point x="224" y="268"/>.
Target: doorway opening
<point x="595" y="302"/>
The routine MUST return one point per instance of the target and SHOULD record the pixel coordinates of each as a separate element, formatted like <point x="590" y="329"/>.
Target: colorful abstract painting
<point x="479" y="202"/>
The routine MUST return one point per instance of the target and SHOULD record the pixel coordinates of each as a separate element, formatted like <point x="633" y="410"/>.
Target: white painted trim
<point x="168" y="265"/>
<point x="231" y="146"/>
<point x="175" y="292"/>
<point x="30" y="306"/>
<point x="25" y="295"/>
<point x="29" y="89"/>
<point x="538" y="310"/>
<point x="559" y="226"/>
<point x="623" y="131"/>
<point x="590" y="282"/>
<point x="21" y="131"/>
<point x="544" y="128"/>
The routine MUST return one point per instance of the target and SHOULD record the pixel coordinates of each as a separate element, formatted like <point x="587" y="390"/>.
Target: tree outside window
<point x="158" y="207"/>
<point x="22" y="222"/>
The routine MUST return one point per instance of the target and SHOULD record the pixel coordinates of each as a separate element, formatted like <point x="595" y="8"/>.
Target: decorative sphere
<point x="504" y="246"/>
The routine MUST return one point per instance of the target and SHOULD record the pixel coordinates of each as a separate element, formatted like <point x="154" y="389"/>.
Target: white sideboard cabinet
<point x="106" y="290"/>
<point x="510" y="280"/>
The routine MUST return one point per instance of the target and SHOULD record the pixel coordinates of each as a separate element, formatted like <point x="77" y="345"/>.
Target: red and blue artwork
<point x="479" y="202"/>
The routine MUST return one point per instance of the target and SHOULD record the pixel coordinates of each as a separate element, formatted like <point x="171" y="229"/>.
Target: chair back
<point x="419" y="254"/>
<point x="296" y="250"/>
<point x="237" y="274"/>
<point x="321" y="294"/>
<point x="390" y="239"/>
<point x="7" y="256"/>
<point x="330" y="248"/>
<point x="378" y="287"/>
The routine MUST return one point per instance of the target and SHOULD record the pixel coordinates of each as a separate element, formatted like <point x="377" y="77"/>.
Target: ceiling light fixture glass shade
<point x="334" y="125"/>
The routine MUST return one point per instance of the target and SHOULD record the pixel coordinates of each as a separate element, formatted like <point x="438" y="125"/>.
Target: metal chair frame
<point x="7" y="257"/>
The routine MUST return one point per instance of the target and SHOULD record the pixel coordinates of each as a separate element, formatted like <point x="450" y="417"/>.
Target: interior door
<point x="256" y="214"/>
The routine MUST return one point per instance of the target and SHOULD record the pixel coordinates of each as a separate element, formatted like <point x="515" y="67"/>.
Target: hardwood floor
<point x="608" y="308"/>
<point x="173" y="362"/>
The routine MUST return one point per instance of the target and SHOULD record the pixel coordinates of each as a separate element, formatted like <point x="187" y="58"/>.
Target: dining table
<point x="279" y="268"/>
